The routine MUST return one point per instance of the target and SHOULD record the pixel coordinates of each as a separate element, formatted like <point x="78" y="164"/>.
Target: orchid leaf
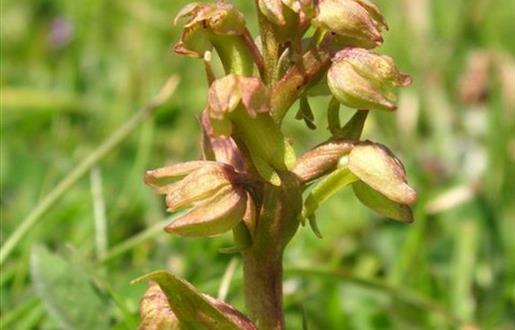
<point x="195" y="310"/>
<point x="67" y="293"/>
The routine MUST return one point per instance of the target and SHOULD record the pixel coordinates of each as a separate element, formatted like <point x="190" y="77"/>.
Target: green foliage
<point x="67" y="292"/>
<point x="192" y="309"/>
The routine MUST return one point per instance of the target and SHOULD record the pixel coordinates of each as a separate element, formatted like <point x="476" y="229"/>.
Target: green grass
<point x="455" y="265"/>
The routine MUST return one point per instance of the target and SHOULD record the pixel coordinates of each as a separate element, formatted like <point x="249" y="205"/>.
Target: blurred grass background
<point x="74" y="71"/>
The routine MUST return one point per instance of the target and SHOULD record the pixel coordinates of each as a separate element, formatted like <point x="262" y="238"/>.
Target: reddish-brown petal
<point x="161" y="178"/>
<point x="321" y="160"/>
<point x="213" y="217"/>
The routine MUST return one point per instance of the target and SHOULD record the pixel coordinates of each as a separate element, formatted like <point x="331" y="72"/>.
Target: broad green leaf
<point x="67" y="292"/>
<point x="380" y="204"/>
<point x="326" y="188"/>
<point x="195" y="310"/>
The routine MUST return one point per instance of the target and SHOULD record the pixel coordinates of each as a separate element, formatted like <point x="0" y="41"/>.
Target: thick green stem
<point x="262" y="262"/>
<point x="263" y="289"/>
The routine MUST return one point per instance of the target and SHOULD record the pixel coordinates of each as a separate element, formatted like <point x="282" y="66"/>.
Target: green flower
<point x="363" y="79"/>
<point x="213" y="191"/>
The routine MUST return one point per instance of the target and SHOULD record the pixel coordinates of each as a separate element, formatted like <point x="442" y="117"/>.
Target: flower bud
<point x="203" y="19"/>
<point x="321" y="160"/>
<point x="375" y="165"/>
<point x="361" y="79"/>
<point x="356" y="22"/>
<point x="378" y="68"/>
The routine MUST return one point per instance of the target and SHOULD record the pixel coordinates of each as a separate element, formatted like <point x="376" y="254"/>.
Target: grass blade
<point x="83" y="167"/>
